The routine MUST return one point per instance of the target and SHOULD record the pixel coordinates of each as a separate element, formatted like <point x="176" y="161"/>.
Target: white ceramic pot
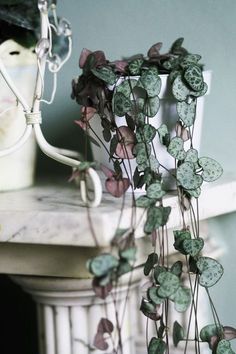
<point x="17" y="169"/>
<point x="167" y="114"/>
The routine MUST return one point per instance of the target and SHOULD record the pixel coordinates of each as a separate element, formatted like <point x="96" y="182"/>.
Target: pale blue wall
<point x="125" y="27"/>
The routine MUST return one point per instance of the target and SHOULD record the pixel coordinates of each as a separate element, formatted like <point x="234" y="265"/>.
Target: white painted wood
<point x="79" y="330"/>
<point x="62" y="330"/>
<point x="50" y="343"/>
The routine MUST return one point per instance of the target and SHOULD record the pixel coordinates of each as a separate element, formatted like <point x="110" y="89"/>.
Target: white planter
<point x="17" y="169"/>
<point x="167" y="114"/>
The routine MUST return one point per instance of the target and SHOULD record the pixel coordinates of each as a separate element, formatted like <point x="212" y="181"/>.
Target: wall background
<point x="126" y="27"/>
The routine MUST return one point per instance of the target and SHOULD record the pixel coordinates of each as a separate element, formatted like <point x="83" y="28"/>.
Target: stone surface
<point x="53" y="214"/>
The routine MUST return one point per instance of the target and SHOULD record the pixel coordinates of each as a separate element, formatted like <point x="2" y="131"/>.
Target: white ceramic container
<point x="167" y="114"/>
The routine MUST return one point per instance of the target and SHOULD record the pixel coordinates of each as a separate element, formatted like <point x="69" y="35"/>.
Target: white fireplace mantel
<point x="43" y="229"/>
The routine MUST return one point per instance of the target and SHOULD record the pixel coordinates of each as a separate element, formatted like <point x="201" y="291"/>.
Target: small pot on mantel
<point x="167" y="114"/>
<point x="16" y="169"/>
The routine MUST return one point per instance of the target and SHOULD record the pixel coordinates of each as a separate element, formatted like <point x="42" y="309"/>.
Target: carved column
<point x="69" y="313"/>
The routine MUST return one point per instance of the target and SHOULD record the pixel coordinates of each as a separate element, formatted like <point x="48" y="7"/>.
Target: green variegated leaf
<point x="135" y="66"/>
<point x="101" y="265"/>
<point x="190" y="59"/>
<point x="158" y="270"/>
<point x="153" y="296"/>
<point x="155" y="191"/>
<point x="150" y="81"/>
<point x="151" y="106"/>
<point x="122" y="104"/>
<point x="126" y="87"/>
<point x="142" y="151"/>
<point x="180" y="236"/>
<point x="211" y="169"/>
<point x="156" y="217"/>
<point x="191" y="156"/>
<point x="144" y="202"/>
<point x="164" y="134"/>
<point x="146" y="133"/>
<point x="193" y="247"/>
<point x="105" y="73"/>
<point x="202" y="92"/>
<point x="187" y="112"/>
<point x="171" y="64"/>
<point x="150" y="262"/>
<point x="176" y="148"/>
<point x="187" y="177"/>
<point x="194" y="192"/>
<point x="149" y="309"/>
<point x="129" y="253"/>
<point x="169" y="284"/>
<point x="224" y="347"/>
<point x="211" y="271"/>
<point x="179" y="89"/>
<point x="193" y="76"/>
<point x="178" y="333"/>
<point x="124" y="268"/>
<point x="157" y="346"/>
<point x="182" y="299"/>
<point x="210" y="331"/>
<point x="176" y="268"/>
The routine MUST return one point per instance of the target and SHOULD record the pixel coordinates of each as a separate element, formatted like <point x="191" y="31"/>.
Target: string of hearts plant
<point x="130" y="89"/>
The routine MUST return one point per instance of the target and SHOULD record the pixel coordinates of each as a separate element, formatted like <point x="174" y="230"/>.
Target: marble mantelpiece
<point x="46" y="227"/>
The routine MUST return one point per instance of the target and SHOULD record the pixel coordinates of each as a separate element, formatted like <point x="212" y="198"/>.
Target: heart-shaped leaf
<point x="187" y="177"/>
<point x="142" y="152"/>
<point x="157" y="346"/>
<point x="193" y="247"/>
<point x="150" y="81"/>
<point x="187" y="112"/>
<point x="105" y="73"/>
<point x="164" y="134"/>
<point x="211" y="169"/>
<point x="191" y="156"/>
<point x="156" y="217"/>
<point x="123" y="268"/>
<point x="153" y="296"/>
<point x="202" y="92"/>
<point x="210" y="331"/>
<point x="150" y="262"/>
<point x="176" y="148"/>
<point x="229" y="332"/>
<point x="121" y="103"/>
<point x="158" y="270"/>
<point x="211" y="271"/>
<point x="135" y="66"/>
<point x="146" y="133"/>
<point x="149" y="309"/>
<point x="178" y="333"/>
<point x="176" y="268"/>
<point x="224" y="347"/>
<point x="181" y="298"/>
<point x="179" y="89"/>
<point x="102" y="264"/>
<point x="190" y="59"/>
<point x="193" y="76"/>
<point x="144" y="202"/>
<point x="155" y="191"/>
<point x="126" y="87"/>
<point x="180" y="236"/>
<point x="129" y="253"/>
<point x="117" y="187"/>
<point x="169" y="284"/>
<point x="151" y="106"/>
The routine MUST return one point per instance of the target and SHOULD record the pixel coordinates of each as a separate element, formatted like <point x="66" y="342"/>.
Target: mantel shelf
<point x="53" y="214"/>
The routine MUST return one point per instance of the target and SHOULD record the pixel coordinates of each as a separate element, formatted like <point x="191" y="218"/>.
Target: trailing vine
<point x="130" y="89"/>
